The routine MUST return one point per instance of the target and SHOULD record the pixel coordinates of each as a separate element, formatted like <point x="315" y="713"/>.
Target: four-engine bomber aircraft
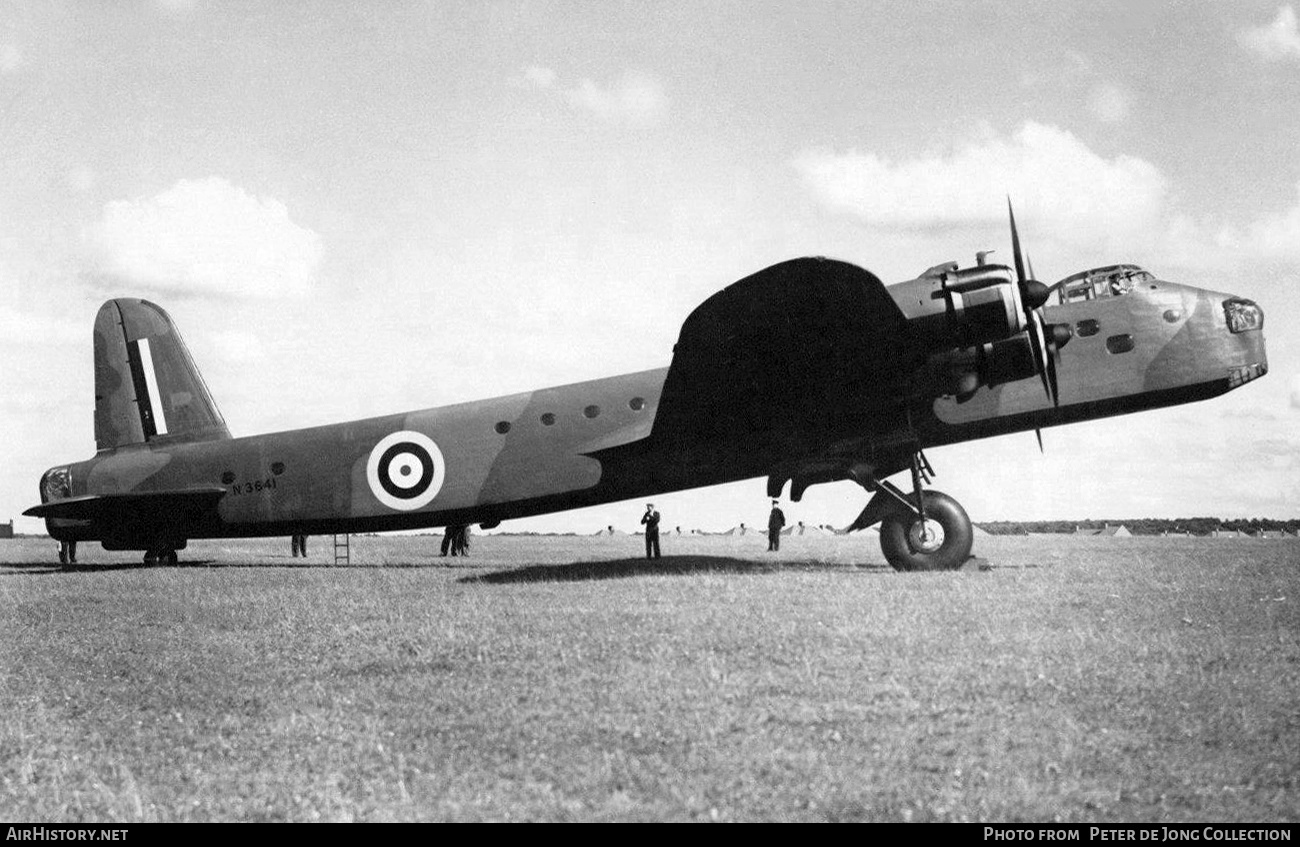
<point x="809" y="371"/>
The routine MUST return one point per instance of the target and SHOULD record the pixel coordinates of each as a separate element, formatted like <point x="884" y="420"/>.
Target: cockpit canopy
<point x="1110" y="281"/>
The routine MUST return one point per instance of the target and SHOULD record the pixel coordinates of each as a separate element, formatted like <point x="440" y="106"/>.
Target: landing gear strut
<point x="927" y="531"/>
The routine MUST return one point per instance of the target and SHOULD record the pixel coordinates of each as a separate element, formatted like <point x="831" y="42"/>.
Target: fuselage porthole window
<point x="1119" y="343"/>
<point x="636" y="404"/>
<point x="1087" y="327"/>
<point x="277" y="468"/>
<point x="548" y="419"/>
<point x="591" y="411"/>
<point x="503" y="427"/>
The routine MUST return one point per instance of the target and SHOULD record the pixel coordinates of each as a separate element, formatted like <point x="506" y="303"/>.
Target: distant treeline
<point x="1145" y="526"/>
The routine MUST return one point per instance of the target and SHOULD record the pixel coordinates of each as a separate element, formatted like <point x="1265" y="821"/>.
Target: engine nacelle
<point x="967" y="307"/>
<point x="961" y="371"/>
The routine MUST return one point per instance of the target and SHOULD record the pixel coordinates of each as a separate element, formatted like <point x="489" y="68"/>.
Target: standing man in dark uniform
<point x="775" y="521"/>
<point x="651" y="521"/>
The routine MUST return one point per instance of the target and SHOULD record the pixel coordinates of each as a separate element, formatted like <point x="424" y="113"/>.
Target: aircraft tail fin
<point x="146" y="385"/>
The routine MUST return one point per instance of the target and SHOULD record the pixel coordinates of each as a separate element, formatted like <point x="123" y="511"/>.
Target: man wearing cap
<point x="651" y="521"/>
<point x="775" y="521"/>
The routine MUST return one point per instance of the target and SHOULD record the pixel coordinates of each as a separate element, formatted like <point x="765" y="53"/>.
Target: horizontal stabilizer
<point x="141" y="507"/>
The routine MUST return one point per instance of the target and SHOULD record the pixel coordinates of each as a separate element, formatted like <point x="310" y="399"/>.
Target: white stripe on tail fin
<point x="151" y="387"/>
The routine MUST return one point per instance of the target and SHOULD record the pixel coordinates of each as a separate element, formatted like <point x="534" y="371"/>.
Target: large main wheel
<point x="941" y="542"/>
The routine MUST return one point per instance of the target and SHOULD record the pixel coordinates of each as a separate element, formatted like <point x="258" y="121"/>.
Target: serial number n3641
<point x="252" y="487"/>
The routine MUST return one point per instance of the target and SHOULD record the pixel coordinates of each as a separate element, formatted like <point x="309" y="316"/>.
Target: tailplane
<point x="146" y="385"/>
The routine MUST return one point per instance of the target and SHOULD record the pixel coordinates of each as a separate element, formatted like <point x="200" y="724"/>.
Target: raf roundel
<point x="405" y="470"/>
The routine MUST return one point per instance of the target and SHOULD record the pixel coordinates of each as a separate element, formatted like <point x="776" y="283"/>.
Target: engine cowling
<point x="961" y="371"/>
<point x="950" y="307"/>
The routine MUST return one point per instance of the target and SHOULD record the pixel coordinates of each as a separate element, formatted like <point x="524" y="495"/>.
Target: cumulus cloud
<point x="1061" y="180"/>
<point x="1080" y="205"/>
<point x="204" y="236"/>
<point x="1273" y="236"/>
<point x="1275" y="42"/>
<point x="635" y="97"/>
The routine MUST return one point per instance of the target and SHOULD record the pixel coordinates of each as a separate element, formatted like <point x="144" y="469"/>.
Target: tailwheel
<point x="939" y="541"/>
<point x="165" y="557"/>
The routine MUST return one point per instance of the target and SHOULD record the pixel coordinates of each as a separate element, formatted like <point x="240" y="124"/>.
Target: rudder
<point x="147" y="387"/>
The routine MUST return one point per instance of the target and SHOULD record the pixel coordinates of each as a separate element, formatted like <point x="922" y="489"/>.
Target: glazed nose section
<point x="1243" y="315"/>
<point x="1245" y="323"/>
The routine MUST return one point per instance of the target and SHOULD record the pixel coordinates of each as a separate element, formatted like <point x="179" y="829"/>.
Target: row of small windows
<point x="1114" y="344"/>
<point x="1088" y="326"/>
<point x="228" y="477"/>
<point x="1119" y="343"/>
<point x="636" y="404"/>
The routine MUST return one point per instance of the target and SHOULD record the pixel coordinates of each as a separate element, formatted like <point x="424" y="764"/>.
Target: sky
<point x="355" y="209"/>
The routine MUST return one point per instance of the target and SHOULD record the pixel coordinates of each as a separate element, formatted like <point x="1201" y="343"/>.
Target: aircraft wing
<point x="151" y="507"/>
<point x="805" y="347"/>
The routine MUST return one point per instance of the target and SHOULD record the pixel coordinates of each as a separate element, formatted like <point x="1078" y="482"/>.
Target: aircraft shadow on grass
<point x="667" y="566"/>
<point x="572" y="572"/>
<point x="43" y="568"/>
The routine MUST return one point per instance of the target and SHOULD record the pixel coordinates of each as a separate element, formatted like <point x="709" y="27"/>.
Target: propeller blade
<point x="1038" y="432"/>
<point x="1015" y="245"/>
<point x="1033" y="294"/>
<point x="1046" y="370"/>
<point x="1054" y="391"/>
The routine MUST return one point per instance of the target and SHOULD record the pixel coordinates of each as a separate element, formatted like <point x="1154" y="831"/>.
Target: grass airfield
<point x="565" y="678"/>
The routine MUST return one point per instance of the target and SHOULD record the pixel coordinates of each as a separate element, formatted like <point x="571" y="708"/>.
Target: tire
<point x="947" y="546"/>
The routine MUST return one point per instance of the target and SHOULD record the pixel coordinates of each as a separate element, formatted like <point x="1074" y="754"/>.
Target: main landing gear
<point x="924" y="531"/>
<point x="162" y="556"/>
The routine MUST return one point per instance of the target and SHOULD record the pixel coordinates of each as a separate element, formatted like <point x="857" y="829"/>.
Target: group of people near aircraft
<point x="650" y="520"/>
<point x="455" y="540"/>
